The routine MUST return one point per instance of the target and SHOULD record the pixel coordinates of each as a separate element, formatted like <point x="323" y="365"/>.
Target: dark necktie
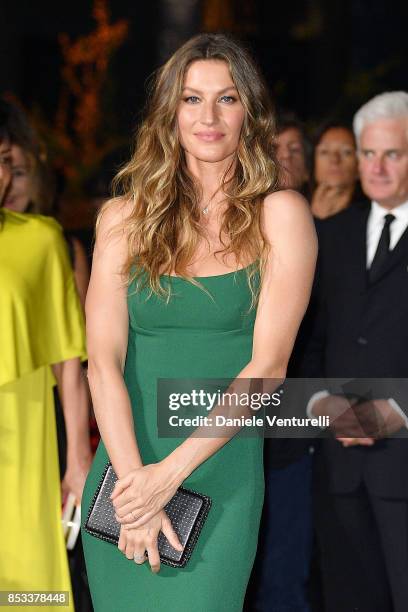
<point x="383" y="250"/>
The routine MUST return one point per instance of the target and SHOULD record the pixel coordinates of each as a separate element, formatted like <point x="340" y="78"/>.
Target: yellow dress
<point x="41" y="323"/>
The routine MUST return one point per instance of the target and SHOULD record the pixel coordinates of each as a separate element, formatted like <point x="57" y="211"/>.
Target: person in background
<point x="32" y="187"/>
<point x="5" y="164"/>
<point x="292" y="150"/>
<point x="360" y="331"/>
<point x="281" y="571"/>
<point x="335" y="171"/>
<point x="42" y="336"/>
<point x="32" y="190"/>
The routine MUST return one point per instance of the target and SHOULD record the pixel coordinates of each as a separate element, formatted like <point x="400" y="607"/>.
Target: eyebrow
<point x="334" y="142"/>
<point x="218" y="92"/>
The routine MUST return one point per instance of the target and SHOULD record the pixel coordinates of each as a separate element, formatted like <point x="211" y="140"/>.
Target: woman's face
<point x="5" y="163"/>
<point x="336" y="159"/>
<point x="210" y="113"/>
<point x="18" y="195"/>
<point x="290" y="153"/>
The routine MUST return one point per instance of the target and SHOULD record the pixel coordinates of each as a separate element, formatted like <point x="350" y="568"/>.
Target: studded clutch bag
<point x="187" y="511"/>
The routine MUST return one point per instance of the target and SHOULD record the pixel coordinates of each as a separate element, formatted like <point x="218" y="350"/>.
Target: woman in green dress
<point x="201" y="270"/>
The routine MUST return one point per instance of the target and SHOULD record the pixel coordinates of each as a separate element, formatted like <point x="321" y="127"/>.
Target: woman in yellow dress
<point x="41" y="328"/>
<point x="32" y="188"/>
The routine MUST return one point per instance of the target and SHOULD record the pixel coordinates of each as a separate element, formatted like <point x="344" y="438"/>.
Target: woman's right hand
<point x="134" y="543"/>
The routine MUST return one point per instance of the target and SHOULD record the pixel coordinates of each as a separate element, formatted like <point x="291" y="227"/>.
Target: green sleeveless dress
<point x="194" y="335"/>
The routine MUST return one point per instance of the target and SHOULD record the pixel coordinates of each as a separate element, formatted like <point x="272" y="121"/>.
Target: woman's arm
<point x="107" y="337"/>
<point x="74" y="396"/>
<point x="284" y="296"/>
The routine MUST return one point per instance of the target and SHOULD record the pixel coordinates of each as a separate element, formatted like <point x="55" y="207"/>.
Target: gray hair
<point x="388" y="105"/>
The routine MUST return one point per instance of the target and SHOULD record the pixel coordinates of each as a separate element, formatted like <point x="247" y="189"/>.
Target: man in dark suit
<point x="361" y="331"/>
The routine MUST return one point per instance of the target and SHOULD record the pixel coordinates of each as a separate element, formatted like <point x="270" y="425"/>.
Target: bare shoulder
<point x="288" y="222"/>
<point x="112" y="218"/>
<point x="286" y="204"/>
<point x="111" y="250"/>
<point x="43" y="226"/>
<point x="286" y="210"/>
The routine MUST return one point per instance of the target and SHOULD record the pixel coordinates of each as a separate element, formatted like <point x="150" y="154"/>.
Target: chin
<point x="212" y="156"/>
<point x="337" y="182"/>
<point x="211" y="159"/>
<point x="210" y="153"/>
<point x="380" y="195"/>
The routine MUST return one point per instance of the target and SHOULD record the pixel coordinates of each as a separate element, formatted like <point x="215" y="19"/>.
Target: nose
<point x="208" y="113"/>
<point x="335" y="157"/>
<point x="283" y="153"/>
<point x="378" y="165"/>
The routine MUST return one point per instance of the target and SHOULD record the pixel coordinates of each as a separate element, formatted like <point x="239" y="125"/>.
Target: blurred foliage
<point x="311" y="26"/>
<point x="229" y="16"/>
<point x="81" y="135"/>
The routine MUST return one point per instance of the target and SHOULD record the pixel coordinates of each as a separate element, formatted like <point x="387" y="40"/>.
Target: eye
<point x="394" y="155"/>
<point x="5" y="159"/>
<point x="18" y="172"/>
<point x="192" y="99"/>
<point x="295" y="149"/>
<point x="367" y="154"/>
<point x="347" y="152"/>
<point x="228" y="99"/>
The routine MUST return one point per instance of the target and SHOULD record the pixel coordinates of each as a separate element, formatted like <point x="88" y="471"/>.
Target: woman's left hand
<point x="139" y="495"/>
<point x="75" y="477"/>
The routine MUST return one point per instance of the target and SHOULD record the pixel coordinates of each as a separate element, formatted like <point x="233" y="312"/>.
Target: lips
<point x="209" y="136"/>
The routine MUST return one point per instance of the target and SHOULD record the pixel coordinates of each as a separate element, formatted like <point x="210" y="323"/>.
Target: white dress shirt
<point x="375" y="226"/>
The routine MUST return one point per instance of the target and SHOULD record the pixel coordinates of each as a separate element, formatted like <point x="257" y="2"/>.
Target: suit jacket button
<point x="362" y="341"/>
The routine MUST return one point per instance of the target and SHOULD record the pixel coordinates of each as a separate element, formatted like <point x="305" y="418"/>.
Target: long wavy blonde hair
<point x="163" y="229"/>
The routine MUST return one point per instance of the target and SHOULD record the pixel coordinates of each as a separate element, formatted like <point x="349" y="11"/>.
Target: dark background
<point x="318" y="55"/>
<point x="321" y="58"/>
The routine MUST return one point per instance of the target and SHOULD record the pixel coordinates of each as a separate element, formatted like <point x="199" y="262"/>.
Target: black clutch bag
<point x="187" y="511"/>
